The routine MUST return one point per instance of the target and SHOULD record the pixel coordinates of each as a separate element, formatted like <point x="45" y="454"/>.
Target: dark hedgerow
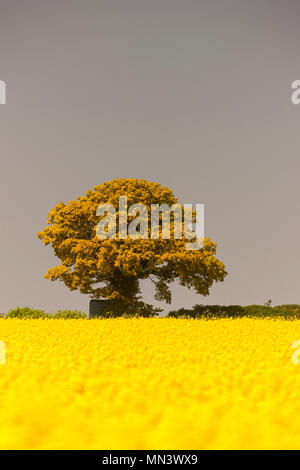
<point x="30" y="313"/>
<point x="288" y="311"/>
<point x="66" y="314"/>
<point x="27" y="312"/>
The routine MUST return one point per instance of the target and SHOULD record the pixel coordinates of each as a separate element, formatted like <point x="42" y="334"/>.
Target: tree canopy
<point x="112" y="268"/>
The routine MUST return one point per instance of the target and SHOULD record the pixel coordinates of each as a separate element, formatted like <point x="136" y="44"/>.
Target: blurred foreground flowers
<point x="149" y="384"/>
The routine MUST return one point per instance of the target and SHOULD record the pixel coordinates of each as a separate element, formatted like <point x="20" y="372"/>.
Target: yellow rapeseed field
<point x="149" y="384"/>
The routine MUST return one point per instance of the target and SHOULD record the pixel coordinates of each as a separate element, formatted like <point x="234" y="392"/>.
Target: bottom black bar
<point x="140" y="458"/>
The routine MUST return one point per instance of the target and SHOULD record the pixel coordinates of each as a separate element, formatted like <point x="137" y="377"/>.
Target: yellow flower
<point x="149" y="384"/>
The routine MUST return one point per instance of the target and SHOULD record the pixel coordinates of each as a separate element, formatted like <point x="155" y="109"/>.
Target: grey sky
<point x="192" y="94"/>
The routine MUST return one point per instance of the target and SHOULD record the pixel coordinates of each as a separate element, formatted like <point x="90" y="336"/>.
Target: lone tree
<point x="111" y="268"/>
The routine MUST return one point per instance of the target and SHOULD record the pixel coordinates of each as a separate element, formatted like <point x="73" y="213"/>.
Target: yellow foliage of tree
<point x="112" y="268"/>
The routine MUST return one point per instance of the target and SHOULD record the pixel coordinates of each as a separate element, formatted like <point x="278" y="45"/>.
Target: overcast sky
<point x="192" y="94"/>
